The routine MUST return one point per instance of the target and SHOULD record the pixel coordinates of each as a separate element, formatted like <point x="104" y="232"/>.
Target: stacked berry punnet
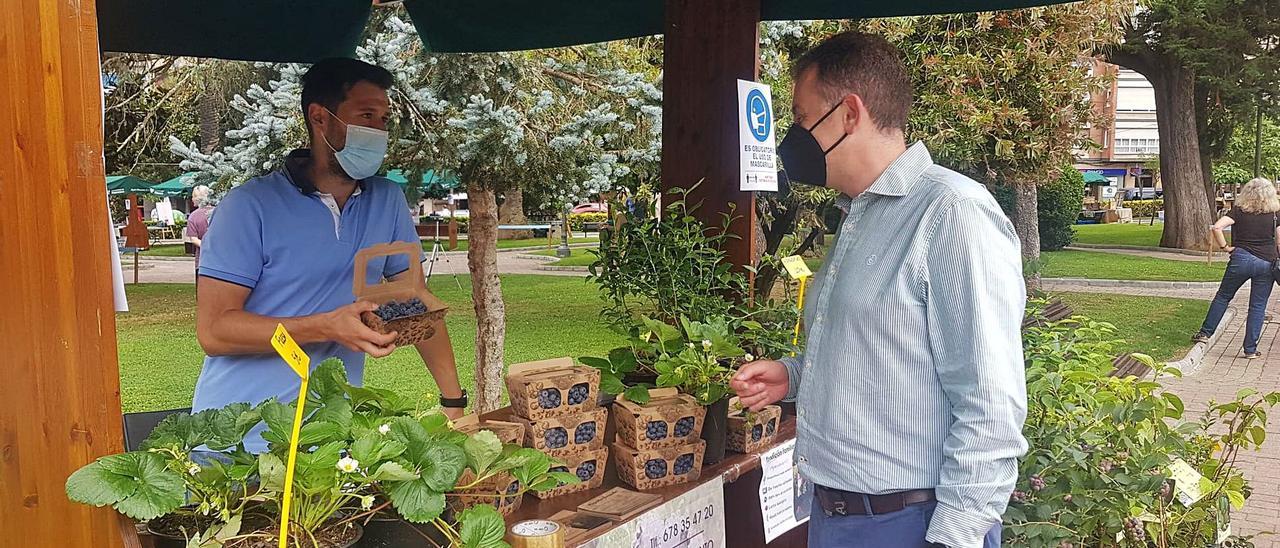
<point x="657" y="442"/>
<point x="556" y="402"/>
<point x="752" y="432"/>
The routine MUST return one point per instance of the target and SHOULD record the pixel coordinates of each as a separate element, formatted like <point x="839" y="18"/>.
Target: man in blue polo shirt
<point x="282" y="250"/>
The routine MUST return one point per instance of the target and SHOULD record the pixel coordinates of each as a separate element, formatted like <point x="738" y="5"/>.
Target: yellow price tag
<point x="291" y="352"/>
<point x="796" y="267"/>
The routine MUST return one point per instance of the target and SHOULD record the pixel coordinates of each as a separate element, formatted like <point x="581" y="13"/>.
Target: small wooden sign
<point x="620" y="504"/>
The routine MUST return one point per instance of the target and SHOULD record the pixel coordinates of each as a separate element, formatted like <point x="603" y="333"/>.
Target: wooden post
<point x="61" y="396"/>
<point x="709" y="45"/>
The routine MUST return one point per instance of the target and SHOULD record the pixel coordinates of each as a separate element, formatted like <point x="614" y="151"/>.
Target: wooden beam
<point x="60" y="402"/>
<point x="708" y="46"/>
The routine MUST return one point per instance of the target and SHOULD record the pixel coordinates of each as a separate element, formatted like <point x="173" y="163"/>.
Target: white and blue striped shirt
<point x="912" y="374"/>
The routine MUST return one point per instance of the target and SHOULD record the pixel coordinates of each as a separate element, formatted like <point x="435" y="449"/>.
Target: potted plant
<point x="356" y="445"/>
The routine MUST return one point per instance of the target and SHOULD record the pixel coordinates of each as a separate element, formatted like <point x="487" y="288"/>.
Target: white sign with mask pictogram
<point x="757" y="165"/>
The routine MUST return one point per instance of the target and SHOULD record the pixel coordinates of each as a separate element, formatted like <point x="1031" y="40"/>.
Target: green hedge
<point x="1144" y="208"/>
<point x="1058" y="203"/>
<point x="577" y="221"/>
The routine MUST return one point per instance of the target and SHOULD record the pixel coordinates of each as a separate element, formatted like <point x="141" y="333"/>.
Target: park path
<point x="182" y="269"/>
<point x="1222" y="373"/>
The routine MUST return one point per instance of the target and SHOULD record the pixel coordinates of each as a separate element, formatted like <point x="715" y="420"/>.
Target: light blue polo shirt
<point x="295" y="251"/>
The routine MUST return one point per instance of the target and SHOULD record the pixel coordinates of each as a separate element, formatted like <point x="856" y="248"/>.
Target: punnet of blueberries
<point x="655" y="468"/>
<point x="555" y="438"/>
<point x="549" y="398"/>
<point x="578" y="393"/>
<point x="394" y="310"/>
<point x="756" y="432"/>
<point x="656" y="430"/>
<point x="684" y="427"/>
<point x="684" y="464"/>
<point x="586" y="470"/>
<point x="584" y="433"/>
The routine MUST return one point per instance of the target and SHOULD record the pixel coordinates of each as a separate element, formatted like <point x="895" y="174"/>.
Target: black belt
<point x="845" y="503"/>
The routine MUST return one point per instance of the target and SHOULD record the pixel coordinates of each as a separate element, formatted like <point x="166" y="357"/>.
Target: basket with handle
<point x="409" y="329"/>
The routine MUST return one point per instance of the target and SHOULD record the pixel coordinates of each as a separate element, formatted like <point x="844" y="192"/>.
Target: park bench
<point x="1055" y="311"/>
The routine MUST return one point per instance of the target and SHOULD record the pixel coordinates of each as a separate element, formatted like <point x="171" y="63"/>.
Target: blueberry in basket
<point x="394" y="310"/>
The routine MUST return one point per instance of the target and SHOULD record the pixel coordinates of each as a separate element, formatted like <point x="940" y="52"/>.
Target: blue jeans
<point x="1244" y="266"/>
<point x="902" y="529"/>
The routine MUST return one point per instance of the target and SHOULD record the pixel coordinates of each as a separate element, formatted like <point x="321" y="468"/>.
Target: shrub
<point x="577" y="221"/>
<point x="1100" y="447"/>
<point x="1144" y="208"/>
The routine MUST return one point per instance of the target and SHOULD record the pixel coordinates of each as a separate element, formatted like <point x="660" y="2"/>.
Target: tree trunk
<point x="210" y="112"/>
<point x="1026" y="221"/>
<point x="1206" y="171"/>
<point x="486" y="293"/>
<point x="512" y="210"/>
<point x="1186" y="203"/>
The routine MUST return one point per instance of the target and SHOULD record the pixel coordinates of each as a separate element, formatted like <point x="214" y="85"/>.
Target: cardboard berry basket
<point x="409" y="329"/>
<point x="497" y="491"/>
<point x="587" y="464"/>
<point x="507" y="432"/>
<point x="750" y="432"/>
<point x="562" y="437"/>
<point x="660" y="422"/>
<point x="552" y="388"/>
<point x="633" y="465"/>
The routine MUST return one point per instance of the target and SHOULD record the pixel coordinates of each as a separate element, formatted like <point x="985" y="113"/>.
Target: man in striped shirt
<point x="910" y="392"/>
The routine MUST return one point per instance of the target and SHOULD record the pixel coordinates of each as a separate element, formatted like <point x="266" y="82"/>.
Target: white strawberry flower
<point x="348" y="465"/>
<point x="706" y="344"/>
<point x="749" y="357"/>
<point x="194" y="469"/>
<point x="384" y="429"/>
<point x="366" y="502"/>
<point x="690" y="345"/>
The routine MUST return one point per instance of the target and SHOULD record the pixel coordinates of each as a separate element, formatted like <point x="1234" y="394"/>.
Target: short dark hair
<point x="328" y="81"/>
<point x="866" y="65"/>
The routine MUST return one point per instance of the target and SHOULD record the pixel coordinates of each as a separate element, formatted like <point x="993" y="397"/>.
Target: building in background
<point x="1128" y="138"/>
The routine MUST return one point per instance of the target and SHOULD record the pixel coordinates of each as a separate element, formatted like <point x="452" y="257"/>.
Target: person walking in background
<point x="1253" y="250"/>
<point x="198" y="221"/>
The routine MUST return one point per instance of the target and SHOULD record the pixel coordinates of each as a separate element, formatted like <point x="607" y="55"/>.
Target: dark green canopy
<point x="1095" y="178"/>
<point x="308" y="30"/>
<point x="177" y="186"/>
<point x="445" y="181"/>
<point x="127" y="184"/>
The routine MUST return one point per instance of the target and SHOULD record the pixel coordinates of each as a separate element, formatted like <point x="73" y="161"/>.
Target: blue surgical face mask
<point x="361" y="157"/>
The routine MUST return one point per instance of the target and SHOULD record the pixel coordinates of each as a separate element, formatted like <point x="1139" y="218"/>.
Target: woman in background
<point x="1253" y="255"/>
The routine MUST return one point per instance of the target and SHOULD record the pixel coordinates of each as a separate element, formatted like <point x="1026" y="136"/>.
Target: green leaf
<point x="329" y="379"/>
<point x="564" y="478"/>
<point x="611" y="384"/>
<point x="482" y="449"/>
<point x="439" y="464"/>
<point x="272" y="470"/>
<point x="182" y="431"/>
<point x="482" y="527"/>
<point x="159" y="491"/>
<point x="1244" y="393"/>
<point x="1237" y="499"/>
<point x="435" y="424"/>
<point x="392" y="471"/>
<point x="320" y="432"/>
<point x="279" y="419"/>
<point x="598" y="363"/>
<point x="415" y="501"/>
<point x="638" y="394"/>
<point x="1258" y="434"/>
<point x="229" y="425"/>
<point x="623" y="360"/>
<point x="96" y="484"/>
<point x="336" y="409"/>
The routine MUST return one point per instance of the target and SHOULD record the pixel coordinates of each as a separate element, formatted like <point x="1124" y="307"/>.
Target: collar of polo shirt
<point x="295" y="168"/>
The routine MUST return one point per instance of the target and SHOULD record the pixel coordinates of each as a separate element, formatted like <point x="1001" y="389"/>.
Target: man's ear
<point x="855" y="112"/>
<point x="315" y="116"/>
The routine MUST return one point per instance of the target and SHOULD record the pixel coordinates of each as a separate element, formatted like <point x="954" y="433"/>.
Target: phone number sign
<point x="692" y="520"/>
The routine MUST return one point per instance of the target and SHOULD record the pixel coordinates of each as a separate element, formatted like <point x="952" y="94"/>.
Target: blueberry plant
<point x="1097" y="472"/>
<point x="356" y="446"/>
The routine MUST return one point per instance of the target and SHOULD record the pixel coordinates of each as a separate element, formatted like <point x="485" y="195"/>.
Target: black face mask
<point x="803" y="159"/>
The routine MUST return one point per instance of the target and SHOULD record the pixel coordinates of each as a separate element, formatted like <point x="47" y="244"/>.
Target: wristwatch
<point x="454" y="403"/>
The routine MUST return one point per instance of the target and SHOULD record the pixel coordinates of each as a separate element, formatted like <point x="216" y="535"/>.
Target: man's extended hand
<point x="760" y="383"/>
<point x="344" y="326"/>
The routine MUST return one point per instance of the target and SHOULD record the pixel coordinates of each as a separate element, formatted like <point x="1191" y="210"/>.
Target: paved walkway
<point x="1219" y="377"/>
<point x="182" y="269"/>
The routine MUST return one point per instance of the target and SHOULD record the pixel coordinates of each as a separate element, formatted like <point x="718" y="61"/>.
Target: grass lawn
<point x="166" y="250"/>
<point x="1111" y="266"/>
<point x="1158" y="326"/>
<point x="577" y="257"/>
<point x="463" y="245"/>
<point x="1120" y="234"/>
<point x="547" y="317"/>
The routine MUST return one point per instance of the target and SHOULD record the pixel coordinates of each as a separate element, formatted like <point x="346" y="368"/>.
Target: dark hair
<point x="866" y="65"/>
<point x="328" y="81"/>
